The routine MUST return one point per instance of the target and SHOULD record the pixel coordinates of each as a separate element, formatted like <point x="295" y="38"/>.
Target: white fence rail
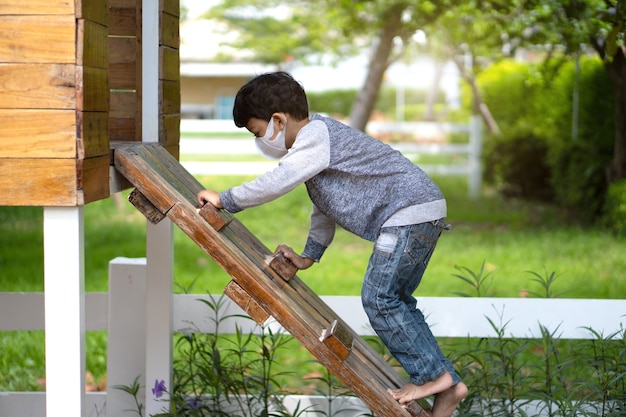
<point x="121" y="312"/>
<point x="192" y="143"/>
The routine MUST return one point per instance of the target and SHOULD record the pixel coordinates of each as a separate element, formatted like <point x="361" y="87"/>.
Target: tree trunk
<point x="433" y="92"/>
<point x="379" y="62"/>
<point x="616" y="70"/>
<point x="478" y="106"/>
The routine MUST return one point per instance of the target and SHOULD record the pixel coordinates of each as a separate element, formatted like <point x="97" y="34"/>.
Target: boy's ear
<point x="280" y="120"/>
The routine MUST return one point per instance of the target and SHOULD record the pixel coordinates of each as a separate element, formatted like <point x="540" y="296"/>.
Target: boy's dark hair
<point x="267" y="94"/>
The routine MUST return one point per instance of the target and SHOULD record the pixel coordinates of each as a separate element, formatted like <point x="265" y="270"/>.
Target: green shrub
<point x="579" y="163"/>
<point x="334" y="102"/>
<point x="614" y="216"/>
<point x="517" y="163"/>
<point x="530" y="103"/>
<point x="511" y="91"/>
<point x="578" y="179"/>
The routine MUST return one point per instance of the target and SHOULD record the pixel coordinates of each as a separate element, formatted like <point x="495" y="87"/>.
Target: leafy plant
<point x="478" y="281"/>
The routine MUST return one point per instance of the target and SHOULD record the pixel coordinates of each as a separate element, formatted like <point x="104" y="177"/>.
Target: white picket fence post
<point x="126" y="337"/>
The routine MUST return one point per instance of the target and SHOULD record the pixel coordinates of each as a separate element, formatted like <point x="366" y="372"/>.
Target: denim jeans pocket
<point x="386" y="243"/>
<point x="422" y="241"/>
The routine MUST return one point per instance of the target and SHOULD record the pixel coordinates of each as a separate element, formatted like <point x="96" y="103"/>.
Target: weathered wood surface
<point x="38" y="38"/>
<point x="53" y="182"/>
<point x="54" y="102"/>
<point x="172" y="191"/>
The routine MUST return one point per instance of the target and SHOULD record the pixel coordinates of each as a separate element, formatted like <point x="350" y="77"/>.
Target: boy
<point x="369" y="189"/>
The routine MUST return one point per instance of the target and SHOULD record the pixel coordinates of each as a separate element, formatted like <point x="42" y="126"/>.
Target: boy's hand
<point x="297" y="260"/>
<point x="209" y="196"/>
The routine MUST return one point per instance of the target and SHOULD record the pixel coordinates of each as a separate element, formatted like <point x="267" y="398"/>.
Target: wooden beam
<point x="40" y="7"/>
<point x="38" y="182"/>
<point x="92" y="179"/>
<point x="92" y="44"/>
<point x="38" y="38"/>
<point x="92" y="89"/>
<point x="92" y="134"/>
<point x="95" y="11"/>
<point x="37" y="86"/>
<point x="37" y="133"/>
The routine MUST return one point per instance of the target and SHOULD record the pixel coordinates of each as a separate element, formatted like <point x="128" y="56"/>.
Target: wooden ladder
<point x="262" y="285"/>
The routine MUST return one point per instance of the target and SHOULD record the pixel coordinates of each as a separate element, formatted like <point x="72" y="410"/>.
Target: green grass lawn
<point x="510" y="237"/>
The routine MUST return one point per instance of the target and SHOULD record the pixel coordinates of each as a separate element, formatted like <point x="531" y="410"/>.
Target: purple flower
<point x="194" y="404"/>
<point x="159" y="388"/>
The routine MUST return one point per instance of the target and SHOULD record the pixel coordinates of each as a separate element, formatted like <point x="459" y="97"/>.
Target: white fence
<point x="121" y="312"/>
<point x="470" y="165"/>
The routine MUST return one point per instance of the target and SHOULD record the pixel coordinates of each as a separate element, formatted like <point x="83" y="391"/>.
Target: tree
<point x="570" y="27"/>
<point x="311" y="28"/>
<point x="559" y="28"/>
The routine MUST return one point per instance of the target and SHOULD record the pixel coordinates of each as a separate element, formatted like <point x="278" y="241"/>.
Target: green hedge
<point x="532" y="104"/>
<point x="614" y="216"/>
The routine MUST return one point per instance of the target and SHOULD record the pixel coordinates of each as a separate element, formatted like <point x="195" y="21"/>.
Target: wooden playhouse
<point x="79" y="78"/>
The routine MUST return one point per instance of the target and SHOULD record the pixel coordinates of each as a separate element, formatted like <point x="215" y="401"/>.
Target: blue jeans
<point x="395" y="269"/>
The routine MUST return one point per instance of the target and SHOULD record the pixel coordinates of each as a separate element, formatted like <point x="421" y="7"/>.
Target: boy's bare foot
<point x="447" y="396"/>
<point x="411" y="392"/>
<point x="447" y="401"/>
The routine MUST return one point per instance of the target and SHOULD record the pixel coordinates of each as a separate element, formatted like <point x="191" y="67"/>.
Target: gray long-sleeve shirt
<point x="353" y="180"/>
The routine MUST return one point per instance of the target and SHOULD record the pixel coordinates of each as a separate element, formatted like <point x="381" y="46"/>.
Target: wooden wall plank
<point x="93" y="10"/>
<point x="93" y="179"/>
<point x="170" y="6"/>
<point x="93" y="134"/>
<point x="123" y="76"/>
<point x="37" y="86"/>
<point x="93" y="44"/>
<point x="123" y="105"/>
<point x="170" y="64"/>
<point x="123" y="21"/>
<point x="124" y="3"/>
<point x="53" y="182"/>
<point x="169" y="97"/>
<point x="169" y="31"/>
<point x="92" y="89"/>
<point x="31" y="7"/>
<point x="38" y="39"/>
<point x="37" y="133"/>
<point x="124" y="129"/>
<point x="38" y="182"/>
<point x="169" y="134"/>
<point x="122" y="50"/>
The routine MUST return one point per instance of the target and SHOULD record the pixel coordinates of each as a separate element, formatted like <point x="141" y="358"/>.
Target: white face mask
<point x="272" y="148"/>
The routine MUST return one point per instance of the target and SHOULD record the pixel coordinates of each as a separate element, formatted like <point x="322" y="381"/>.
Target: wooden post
<point x="64" y="282"/>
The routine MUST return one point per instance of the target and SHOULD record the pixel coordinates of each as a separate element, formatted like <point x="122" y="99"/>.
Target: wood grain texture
<point x="37" y="133"/>
<point x="38" y="182"/>
<point x="34" y="7"/>
<point x="92" y="89"/>
<point x="38" y="38"/>
<point x="37" y="86"/>
<point x="94" y="10"/>
<point x="92" y="179"/>
<point x="92" y="134"/>
<point x="92" y="48"/>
